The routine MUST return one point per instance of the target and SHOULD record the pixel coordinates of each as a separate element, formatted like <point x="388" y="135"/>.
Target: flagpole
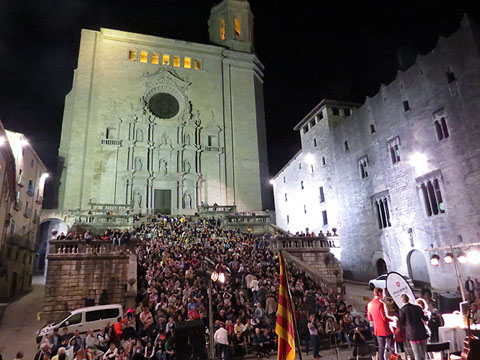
<point x="293" y="306"/>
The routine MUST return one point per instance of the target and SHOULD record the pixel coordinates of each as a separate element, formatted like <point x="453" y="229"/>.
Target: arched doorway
<point x="44" y="235"/>
<point x="381" y="267"/>
<point x="417" y="268"/>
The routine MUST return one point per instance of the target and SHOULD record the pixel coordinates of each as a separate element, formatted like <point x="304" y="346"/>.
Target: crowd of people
<point x="176" y="256"/>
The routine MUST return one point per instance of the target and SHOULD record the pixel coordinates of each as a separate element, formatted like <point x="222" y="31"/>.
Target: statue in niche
<point x="138" y="199"/>
<point x="138" y="164"/>
<point x="188" y="167"/>
<point x="187" y="139"/>
<point x="164" y="139"/>
<point x="163" y="166"/>
<point x="196" y="117"/>
<point x="140" y="135"/>
<point x="189" y="201"/>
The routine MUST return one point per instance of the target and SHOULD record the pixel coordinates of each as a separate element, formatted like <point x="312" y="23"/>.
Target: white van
<point x="94" y="317"/>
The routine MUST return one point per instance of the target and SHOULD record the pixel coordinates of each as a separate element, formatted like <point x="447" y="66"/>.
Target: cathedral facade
<point x="398" y="176"/>
<point x="164" y="125"/>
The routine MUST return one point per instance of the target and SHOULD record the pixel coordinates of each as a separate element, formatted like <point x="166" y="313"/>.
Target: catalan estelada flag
<point x="284" y="327"/>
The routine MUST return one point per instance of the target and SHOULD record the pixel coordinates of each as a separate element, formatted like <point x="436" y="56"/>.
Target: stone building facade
<point x="164" y="125"/>
<point x="399" y="174"/>
<point x="23" y="216"/>
<point x="7" y="191"/>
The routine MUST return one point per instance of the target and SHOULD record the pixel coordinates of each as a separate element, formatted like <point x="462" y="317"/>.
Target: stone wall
<point x="439" y="85"/>
<point x="72" y="278"/>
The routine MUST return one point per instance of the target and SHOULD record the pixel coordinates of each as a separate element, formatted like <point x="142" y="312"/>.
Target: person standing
<point x="412" y="319"/>
<point x="221" y="340"/>
<point x="313" y="329"/>
<point x="470" y="287"/>
<point x="381" y="329"/>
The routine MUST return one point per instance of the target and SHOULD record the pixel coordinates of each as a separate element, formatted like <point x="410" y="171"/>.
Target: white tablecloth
<point x="455" y="336"/>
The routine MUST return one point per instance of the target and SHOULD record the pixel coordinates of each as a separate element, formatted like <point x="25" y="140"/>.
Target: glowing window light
<point x="166" y="60"/>
<point x="155" y="59"/>
<point x="237" y="27"/>
<point x="143" y="57"/>
<point x="132" y="55"/>
<point x="176" y="61"/>
<point x="187" y="62"/>
<point x="222" y="29"/>
<point x="197" y="65"/>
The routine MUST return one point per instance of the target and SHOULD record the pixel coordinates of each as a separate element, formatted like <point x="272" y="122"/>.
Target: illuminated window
<point x="222" y="29"/>
<point x="393" y="147"/>
<point x="166" y="60"/>
<point x="237" y="27"/>
<point x="187" y="62"/>
<point x="197" y="65"/>
<point x="144" y="57"/>
<point x="132" y="55"/>
<point x="176" y="61"/>
<point x="154" y="58"/>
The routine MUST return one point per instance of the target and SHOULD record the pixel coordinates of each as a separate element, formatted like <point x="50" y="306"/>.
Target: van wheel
<point x="372" y="286"/>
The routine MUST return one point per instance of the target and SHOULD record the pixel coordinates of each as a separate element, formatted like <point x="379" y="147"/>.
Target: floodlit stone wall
<point x="406" y="167"/>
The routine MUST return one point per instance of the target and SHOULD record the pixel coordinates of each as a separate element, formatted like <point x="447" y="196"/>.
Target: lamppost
<point x="472" y="257"/>
<point x="214" y="277"/>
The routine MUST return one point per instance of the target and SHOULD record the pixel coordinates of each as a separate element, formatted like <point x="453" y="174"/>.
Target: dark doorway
<point x="381" y="267"/>
<point x="163" y="201"/>
<point x="13" y="285"/>
<point x="417" y="268"/>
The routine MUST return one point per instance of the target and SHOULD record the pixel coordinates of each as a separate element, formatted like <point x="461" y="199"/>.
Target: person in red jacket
<point x="376" y="313"/>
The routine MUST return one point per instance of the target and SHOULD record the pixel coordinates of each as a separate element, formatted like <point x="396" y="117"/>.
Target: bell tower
<point x="231" y="25"/>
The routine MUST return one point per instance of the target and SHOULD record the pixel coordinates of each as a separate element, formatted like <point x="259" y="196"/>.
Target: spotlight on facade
<point x="448" y="258"/>
<point x="309" y="159"/>
<point x="473" y="257"/>
<point x="435" y="260"/>
<point x="420" y="162"/>
<point x="272" y="181"/>
<point x="462" y="257"/>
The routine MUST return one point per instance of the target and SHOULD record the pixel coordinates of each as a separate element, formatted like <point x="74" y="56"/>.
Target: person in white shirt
<point x="254" y="287"/>
<point x="111" y="352"/>
<point x="221" y="341"/>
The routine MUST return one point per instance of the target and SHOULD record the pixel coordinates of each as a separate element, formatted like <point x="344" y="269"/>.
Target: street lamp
<point x="214" y="277"/>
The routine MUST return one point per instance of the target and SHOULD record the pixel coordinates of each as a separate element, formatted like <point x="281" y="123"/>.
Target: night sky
<point x="311" y="50"/>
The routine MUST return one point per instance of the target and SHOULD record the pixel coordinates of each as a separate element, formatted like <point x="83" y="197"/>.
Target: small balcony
<point x="20" y="181"/>
<point x="27" y="213"/>
<point x="17" y="205"/>
<point x="36" y="219"/>
<point x="39" y="199"/>
<point x="30" y="191"/>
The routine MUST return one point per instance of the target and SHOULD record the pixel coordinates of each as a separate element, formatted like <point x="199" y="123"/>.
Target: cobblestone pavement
<point x="19" y="323"/>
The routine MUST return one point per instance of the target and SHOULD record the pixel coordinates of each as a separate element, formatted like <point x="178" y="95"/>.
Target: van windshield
<point x="62" y="318"/>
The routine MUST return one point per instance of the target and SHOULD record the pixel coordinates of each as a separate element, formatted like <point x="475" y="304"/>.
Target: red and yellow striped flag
<point x="284" y="326"/>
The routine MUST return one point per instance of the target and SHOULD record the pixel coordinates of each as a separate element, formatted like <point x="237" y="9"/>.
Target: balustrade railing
<point x="218" y="208"/>
<point x="248" y="219"/>
<point x="111" y="142"/>
<point x="104" y="208"/>
<point x="69" y="247"/>
<point x="104" y="219"/>
<point x="297" y="242"/>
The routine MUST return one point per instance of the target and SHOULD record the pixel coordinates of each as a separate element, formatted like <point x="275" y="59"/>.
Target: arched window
<point x="144" y="57"/>
<point x="438" y="130"/>
<point x="221" y="29"/>
<point x="237" y="27"/>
